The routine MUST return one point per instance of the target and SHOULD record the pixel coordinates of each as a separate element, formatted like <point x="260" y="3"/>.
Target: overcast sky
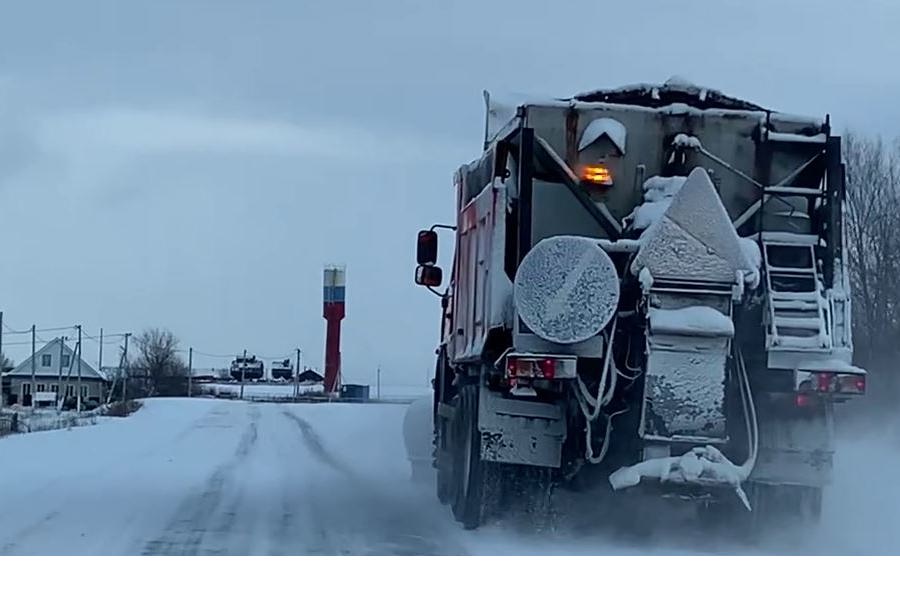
<point x="193" y="164"/>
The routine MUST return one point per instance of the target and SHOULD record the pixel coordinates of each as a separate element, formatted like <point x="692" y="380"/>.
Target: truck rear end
<point x="648" y="291"/>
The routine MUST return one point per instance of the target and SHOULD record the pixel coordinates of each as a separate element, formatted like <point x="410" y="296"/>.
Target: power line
<point x="206" y="354"/>
<point x="12" y="331"/>
<point x="105" y="335"/>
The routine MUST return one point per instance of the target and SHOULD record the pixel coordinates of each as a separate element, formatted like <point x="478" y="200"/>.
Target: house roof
<point x="53" y="349"/>
<point x="310" y="375"/>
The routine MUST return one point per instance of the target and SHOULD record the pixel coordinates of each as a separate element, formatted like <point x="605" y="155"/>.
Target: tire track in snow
<point x="28" y="531"/>
<point x="366" y="520"/>
<point x="185" y="533"/>
<point x="300" y="528"/>
<point x="317" y="447"/>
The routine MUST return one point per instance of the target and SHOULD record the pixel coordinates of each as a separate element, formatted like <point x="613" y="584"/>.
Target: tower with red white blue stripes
<point x="334" y="312"/>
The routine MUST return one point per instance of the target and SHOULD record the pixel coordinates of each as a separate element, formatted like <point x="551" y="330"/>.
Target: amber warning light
<point x="598" y="174"/>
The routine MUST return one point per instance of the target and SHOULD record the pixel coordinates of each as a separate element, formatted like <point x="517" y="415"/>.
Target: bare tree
<point x="873" y="246"/>
<point x="158" y="370"/>
<point x="6" y="364"/>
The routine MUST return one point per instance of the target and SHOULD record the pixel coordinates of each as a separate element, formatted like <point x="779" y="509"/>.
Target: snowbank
<point x="260" y="391"/>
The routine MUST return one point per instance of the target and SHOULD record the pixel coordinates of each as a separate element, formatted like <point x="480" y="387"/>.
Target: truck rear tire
<point x="477" y="481"/>
<point x="443" y="382"/>
<point x="531" y="491"/>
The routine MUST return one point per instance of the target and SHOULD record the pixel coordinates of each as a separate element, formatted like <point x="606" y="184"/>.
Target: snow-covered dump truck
<point x="282" y="370"/>
<point x="247" y="368"/>
<point x="648" y="295"/>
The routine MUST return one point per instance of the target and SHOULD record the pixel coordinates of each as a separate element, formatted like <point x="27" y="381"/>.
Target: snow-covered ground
<point x="389" y="393"/>
<point x="205" y="476"/>
<point x="259" y="390"/>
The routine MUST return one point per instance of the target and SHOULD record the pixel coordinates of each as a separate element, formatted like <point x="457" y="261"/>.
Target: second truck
<point x="649" y="291"/>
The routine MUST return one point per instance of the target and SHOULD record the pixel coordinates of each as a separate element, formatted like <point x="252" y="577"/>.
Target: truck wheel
<point x="531" y="497"/>
<point x="477" y="481"/>
<point x="442" y="455"/>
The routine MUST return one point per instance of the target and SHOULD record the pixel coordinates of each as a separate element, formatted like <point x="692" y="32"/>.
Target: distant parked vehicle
<point x="247" y="369"/>
<point x="283" y="370"/>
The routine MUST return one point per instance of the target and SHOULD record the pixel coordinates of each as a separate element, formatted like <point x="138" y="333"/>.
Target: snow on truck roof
<point x="674" y="91"/>
<point x="676" y="96"/>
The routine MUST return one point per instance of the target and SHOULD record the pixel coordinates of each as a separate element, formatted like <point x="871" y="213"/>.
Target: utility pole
<point x="378" y="383"/>
<point x="100" y="359"/>
<point x="33" y="365"/>
<point x="243" y="366"/>
<point x="78" y="391"/>
<point x="190" y="371"/>
<point x="296" y="376"/>
<point x="59" y="386"/>
<point x="125" y="370"/>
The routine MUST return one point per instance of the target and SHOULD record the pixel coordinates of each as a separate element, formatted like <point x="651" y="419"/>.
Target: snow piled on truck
<point x="597" y="128"/>
<point x="658" y="195"/>
<point x="694" y="238"/>
<point x="702" y="464"/>
<point x="691" y="320"/>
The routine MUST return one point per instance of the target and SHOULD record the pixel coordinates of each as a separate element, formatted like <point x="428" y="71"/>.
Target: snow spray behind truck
<point x="648" y="294"/>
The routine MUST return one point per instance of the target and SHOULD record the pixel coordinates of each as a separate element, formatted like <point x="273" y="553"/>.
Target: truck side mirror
<point x="426" y="247"/>
<point x="429" y="275"/>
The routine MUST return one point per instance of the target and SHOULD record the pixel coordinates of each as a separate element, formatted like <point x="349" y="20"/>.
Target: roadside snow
<point x="260" y="390"/>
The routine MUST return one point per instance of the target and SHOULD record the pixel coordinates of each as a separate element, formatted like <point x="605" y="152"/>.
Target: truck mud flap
<point x="796" y="450"/>
<point x="520" y="432"/>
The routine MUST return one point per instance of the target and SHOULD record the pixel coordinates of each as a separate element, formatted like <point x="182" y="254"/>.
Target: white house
<point x="56" y="370"/>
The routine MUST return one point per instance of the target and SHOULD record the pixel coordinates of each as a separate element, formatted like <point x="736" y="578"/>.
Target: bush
<point x="121" y="408"/>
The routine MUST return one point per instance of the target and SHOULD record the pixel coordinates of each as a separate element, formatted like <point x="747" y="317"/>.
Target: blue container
<point x="354" y="392"/>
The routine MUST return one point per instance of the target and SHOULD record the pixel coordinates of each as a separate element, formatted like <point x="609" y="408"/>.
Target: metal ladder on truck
<point x="797" y="312"/>
<point x="797" y="309"/>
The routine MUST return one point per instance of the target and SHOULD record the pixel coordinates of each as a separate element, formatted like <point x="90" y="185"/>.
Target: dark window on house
<point x="46" y="360"/>
<point x="84" y="391"/>
<point x="40" y="387"/>
<point x="70" y="391"/>
<point x="26" y="389"/>
<point x="54" y="388"/>
<point x="65" y="360"/>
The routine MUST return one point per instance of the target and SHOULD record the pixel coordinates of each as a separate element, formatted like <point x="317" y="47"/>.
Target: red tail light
<point x="802" y="400"/>
<point x="853" y="384"/>
<point x="529" y="366"/>
<point x="824" y="382"/>
<point x="548" y="368"/>
<point x="831" y="383"/>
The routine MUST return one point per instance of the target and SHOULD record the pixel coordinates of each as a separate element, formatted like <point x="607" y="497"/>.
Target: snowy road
<point x="219" y="477"/>
<point x="226" y="477"/>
